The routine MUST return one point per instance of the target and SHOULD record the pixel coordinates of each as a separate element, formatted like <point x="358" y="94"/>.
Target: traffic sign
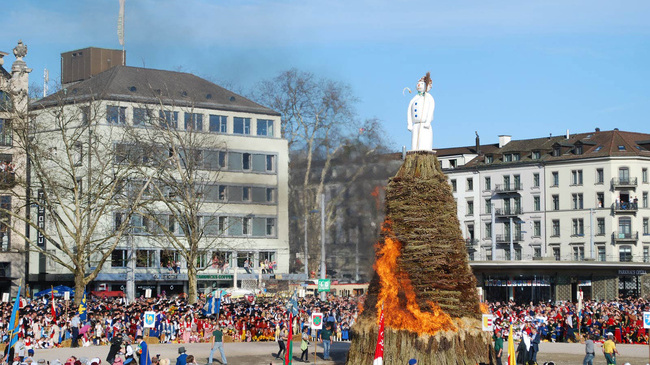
<point x="149" y="319"/>
<point x="323" y="285"/>
<point x="317" y="321"/>
<point x="488" y="322"/>
<point x="646" y="319"/>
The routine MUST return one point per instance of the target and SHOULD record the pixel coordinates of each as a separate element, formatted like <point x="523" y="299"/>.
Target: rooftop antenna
<point x="120" y="31"/>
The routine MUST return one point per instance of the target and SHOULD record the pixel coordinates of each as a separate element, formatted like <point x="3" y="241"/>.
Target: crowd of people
<point x="111" y="320"/>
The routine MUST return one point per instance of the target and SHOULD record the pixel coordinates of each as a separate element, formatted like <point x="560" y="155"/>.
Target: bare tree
<point x="184" y="197"/>
<point x="320" y="123"/>
<point x="73" y="182"/>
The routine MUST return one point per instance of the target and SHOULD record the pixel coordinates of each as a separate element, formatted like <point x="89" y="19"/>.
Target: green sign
<point x="324" y="285"/>
<point x="216" y="277"/>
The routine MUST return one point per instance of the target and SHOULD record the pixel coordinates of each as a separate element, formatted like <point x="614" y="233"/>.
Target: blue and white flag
<point x="213" y="305"/>
<point x="13" y="327"/>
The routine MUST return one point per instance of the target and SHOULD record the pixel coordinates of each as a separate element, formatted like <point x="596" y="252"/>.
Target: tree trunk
<point x="79" y="285"/>
<point x="191" y="284"/>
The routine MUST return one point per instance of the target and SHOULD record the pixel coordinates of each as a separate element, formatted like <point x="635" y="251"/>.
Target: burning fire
<point x="401" y="310"/>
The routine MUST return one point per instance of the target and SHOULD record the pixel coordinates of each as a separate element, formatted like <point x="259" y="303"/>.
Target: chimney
<point x="567" y="134"/>
<point x="504" y="140"/>
<point x="597" y="129"/>
<point x="478" y="143"/>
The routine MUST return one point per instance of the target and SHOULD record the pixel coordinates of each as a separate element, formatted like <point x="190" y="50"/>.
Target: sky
<point x="522" y="68"/>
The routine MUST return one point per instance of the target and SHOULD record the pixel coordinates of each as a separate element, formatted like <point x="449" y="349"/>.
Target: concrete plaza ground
<point x="262" y="353"/>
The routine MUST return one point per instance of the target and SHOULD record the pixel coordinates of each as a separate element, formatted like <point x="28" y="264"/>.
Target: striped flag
<point x="13" y="327"/>
<point x="288" y="355"/>
<point x="53" y="305"/>
<point x="379" y="349"/>
<point x="120" y="24"/>
<point x="213" y="305"/>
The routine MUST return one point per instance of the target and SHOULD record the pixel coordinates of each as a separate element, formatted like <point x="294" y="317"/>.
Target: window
<point x="507" y="158"/>
<point x="646" y="254"/>
<point x="536" y="155"/>
<point x="517" y="251"/>
<point x="265" y="127"/>
<point x="218" y="123"/>
<point x="489" y="159"/>
<point x="241" y="125"/>
<point x="600" y="176"/>
<point x="625" y="254"/>
<point x="145" y="258"/>
<point x="470" y="207"/>
<point x="537" y="204"/>
<point x="470" y="184"/>
<point x="621" y="148"/>
<point x="625" y="227"/>
<point x="506" y="181"/>
<point x="536" y="180"/>
<point x="646" y="230"/>
<point x="537" y="252"/>
<point x="141" y="116"/>
<point x="537" y="228"/>
<point x="578" y="253"/>
<point x="6" y="135"/>
<point x="644" y="200"/>
<point x="168" y="119"/>
<point x="246" y="194"/>
<point x="270" y="163"/>
<point x="578" y="201"/>
<point x="223" y="224"/>
<point x="517" y="179"/>
<point x="78" y="154"/>
<point x="194" y="121"/>
<point x="453" y="163"/>
<point x="578" y="227"/>
<point x="246" y="161"/>
<point x="270" y="195"/>
<point x="488" y="183"/>
<point x="556" y="253"/>
<point x="644" y="175"/>
<point x="119" y="258"/>
<point x="270" y="226"/>
<point x="116" y="114"/>
<point x="555" y="176"/>
<point x="578" y="150"/>
<point x="576" y="177"/>
<point x="138" y="224"/>
<point x="516" y="157"/>
<point x="453" y="185"/>
<point x="624" y="175"/>
<point x="601" y="253"/>
<point x="557" y="151"/>
<point x="556" y="228"/>
<point x="601" y="226"/>
<point x="202" y="259"/>
<point x="223" y="193"/>
<point x="556" y="202"/>
<point x="246" y="226"/>
<point x="488" y="229"/>
<point x="488" y="206"/>
<point x="600" y="200"/>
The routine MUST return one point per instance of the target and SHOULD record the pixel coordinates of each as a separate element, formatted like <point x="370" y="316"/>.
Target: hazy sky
<point x="525" y="68"/>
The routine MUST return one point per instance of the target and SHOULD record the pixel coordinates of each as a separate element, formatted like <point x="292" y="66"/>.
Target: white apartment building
<point x="243" y="148"/>
<point x="13" y="105"/>
<point x="573" y="209"/>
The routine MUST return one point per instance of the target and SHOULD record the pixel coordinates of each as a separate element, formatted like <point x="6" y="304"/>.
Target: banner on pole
<point x="317" y="321"/>
<point x="488" y="322"/>
<point x="149" y="319"/>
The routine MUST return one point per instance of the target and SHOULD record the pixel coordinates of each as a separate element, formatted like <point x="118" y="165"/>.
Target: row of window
<point x="203" y="159"/>
<point x="216" y="193"/>
<point x="213" y="226"/>
<point x="577" y="228"/>
<point x="192" y="121"/>
<point x="577" y="253"/>
<point x="576" y="179"/>
<point x="170" y="259"/>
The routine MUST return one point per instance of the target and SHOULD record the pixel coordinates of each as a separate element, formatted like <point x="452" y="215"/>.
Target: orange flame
<point x="395" y="285"/>
<point x="485" y="309"/>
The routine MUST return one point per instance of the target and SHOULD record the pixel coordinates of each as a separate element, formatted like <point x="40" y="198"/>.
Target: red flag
<point x="289" y="349"/>
<point x="53" y="306"/>
<point x="379" y="350"/>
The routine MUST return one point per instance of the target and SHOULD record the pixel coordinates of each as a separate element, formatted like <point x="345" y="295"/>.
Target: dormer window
<point x="556" y="151"/>
<point x="452" y="163"/>
<point x="516" y="157"/>
<point x="621" y="148"/>
<point x="489" y="159"/>
<point x="507" y="158"/>
<point x="578" y="150"/>
<point x="536" y="155"/>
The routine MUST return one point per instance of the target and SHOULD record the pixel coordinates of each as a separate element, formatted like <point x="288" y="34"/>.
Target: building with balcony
<point x="243" y="167"/>
<point x="13" y="108"/>
<point x="555" y="215"/>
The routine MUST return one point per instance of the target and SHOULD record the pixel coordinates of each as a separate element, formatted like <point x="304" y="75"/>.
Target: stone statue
<point x="420" y="116"/>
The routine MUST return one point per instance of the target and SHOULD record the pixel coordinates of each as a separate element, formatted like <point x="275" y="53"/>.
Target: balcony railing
<point x="629" y="182"/>
<point x="625" y="207"/>
<point x="507" y="188"/>
<point x="619" y="236"/>
<point x="505" y="238"/>
<point x="507" y="212"/>
<point x="470" y="242"/>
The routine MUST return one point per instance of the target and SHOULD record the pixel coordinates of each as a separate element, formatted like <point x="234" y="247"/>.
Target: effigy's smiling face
<point x="420" y="86"/>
